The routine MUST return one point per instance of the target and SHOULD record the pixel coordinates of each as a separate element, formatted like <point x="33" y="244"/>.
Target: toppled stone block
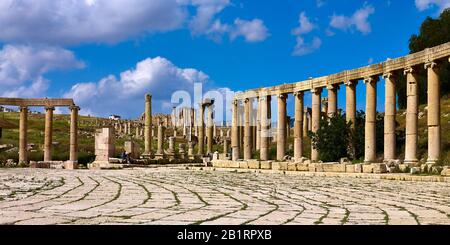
<point x="404" y="168"/>
<point x="34" y="164"/>
<point x="367" y="168"/>
<point x="445" y="171"/>
<point x="266" y="165"/>
<point x="379" y="168"/>
<point x="302" y="167"/>
<point x="333" y="167"/>
<point x="292" y="166"/>
<point x="243" y="164"/>
<point x="436" y="169"/>
<point x="415" y="170"/>
<point x="253" y="164"/>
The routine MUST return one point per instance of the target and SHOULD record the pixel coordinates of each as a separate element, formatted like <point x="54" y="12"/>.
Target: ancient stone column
<point x="73" y="158"/>
<point x="201" y="130"/>
<point x="350" y="109"/>
<point x="210" y="130"/>
<point x="264" y="101"/>
<point x="370" y="152"/>
<point x="225" y="145"/>
<point x="281" y="127"/>
<point x="389" y="118"/>
<point x="160" y="150"/>
<point x="235" y="132"/>
<point x="171" y="149"/>
<point x="434" y="111"/>
<point x="315" y="118"/>
<point x="258" y="125"/>
<point x="23" y="151"/>
<point x="191" y="149"/>
<point x="305" y="121"/>
<point x="298" y="131"/>
<point x="411" y="116"/>
<point x="48" y="132"/>
<point x="332" y="99"/>
<point x="148" y="125"/>
<point x="350" y="101"/>
<point x="129" y="128"/>
<point x="247" y="129"/>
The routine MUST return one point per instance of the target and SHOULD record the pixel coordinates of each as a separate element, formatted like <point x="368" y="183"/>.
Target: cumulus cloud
<point x="125" y="93"/>
<point x="305" y="27"/>
<point x="252" y="31"/>
<point x="359" y="20"/>
<point x="72" y="22"/>
<point x="301" y="48"/>
<point x="205" y="14"/>
<point x="22" y="68"/>
<point x="426" y="4"/>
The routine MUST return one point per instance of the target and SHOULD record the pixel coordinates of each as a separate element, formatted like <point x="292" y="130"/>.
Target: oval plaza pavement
<point x="181" y="196"/>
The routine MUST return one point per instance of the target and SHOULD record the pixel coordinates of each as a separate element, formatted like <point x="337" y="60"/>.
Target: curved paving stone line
<point x="180" y="196"/>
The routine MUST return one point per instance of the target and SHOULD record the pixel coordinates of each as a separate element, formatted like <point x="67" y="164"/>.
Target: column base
<point x="71" y="165"/>
<point x="412" y="163"/>
<point x="159" y="156"/>
<point x="432" y="161"/>
<point x="147" y="156"/>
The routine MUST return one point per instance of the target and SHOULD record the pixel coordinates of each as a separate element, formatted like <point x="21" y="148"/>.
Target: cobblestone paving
<point x="179" y="196"/>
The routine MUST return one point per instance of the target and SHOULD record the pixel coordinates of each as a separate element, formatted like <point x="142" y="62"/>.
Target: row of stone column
<point x="264" y="118"/>
<point x="48" y="134"/>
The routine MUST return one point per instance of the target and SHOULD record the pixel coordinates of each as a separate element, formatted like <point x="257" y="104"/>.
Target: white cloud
<point x="302" y="48"/>
<point x="71" y="22"/>
<point x="358" y="20"/>
<point x="125" y="94"/>
<point x="22" y="68"/>
<point x="252" y="31"/>
<point x="206" y="11"/>
<point x="305" y="25"/>
<point x="426" y="4"/>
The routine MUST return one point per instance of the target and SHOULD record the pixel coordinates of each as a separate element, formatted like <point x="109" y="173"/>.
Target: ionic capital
<point x="282" y="96"/>
<point x="316" y="90"/>
<point x="298" y="93"/>
<point x="148" y="97"/>
<point x="49" y="108"/>
<point x="332" y="87"/>
<point x="387" y="75"/>
<point x="370" y="80"/>
<point x="23" y="108"/>
<point x="350" y="82"/>
<point x="409" y="70"/>
<point x="431" y="64"/>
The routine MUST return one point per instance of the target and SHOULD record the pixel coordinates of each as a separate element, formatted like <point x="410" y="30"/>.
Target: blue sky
<point x="108" y="54"/>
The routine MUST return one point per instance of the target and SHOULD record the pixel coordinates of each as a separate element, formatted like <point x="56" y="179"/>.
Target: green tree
<point x="332" y="138"/>
<point x="433" y="32"/>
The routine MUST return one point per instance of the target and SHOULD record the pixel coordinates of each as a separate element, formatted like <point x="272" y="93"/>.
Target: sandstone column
<point x="258" y="125"/>
<point x="247" y="129"/>
<point x="370" y="123"/>
<point x="160" y="150"/>
<point x="264" y="101"/>
<point x="225" y="145"/>
<point x="411" y="116"/>
<point x="48" y="133"/>
<point x="315" y="118"/>
<point x="73" y="158"/>
<point x="235" y="132"/>
<point x="305" y="121"/>
<point x="23" y="151"/>
<point x="281" y="127"/>
<point x="332" y="99"/>
<point x="298" y="131"/>
<point x="148" y="125"/>
<point x="210" y="129"/>
<point x="201" y="130"/>
<point x="350" y="109"/>
<point x="389" y="117"/>
<point x="434" y="111"/>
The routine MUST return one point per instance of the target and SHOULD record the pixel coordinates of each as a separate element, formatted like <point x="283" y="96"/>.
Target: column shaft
<point x="258" y="126"/>
<point x="370" y="123"/>
<point x="23" y="151"/>
<point x="235" y="132"/>
<point x="48" y="132"/>
<point x="298" y="131"/>
<point x="265" y="127"/>
<point x="281" y="127"/>
<point x="389" y="118"/>
<point x="247" y="129"/>
<point x="74" y="135"/>
<point x="316" y="103"/>
<point x="201" y="131"/>
<point x="332" y="100"/>
<point x="210" y="130"/>
<point x="434" y="111"/>
<point x="411" y="117"/>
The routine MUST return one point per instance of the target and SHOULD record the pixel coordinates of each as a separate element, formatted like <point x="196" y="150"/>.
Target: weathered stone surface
<point x="243" y="164"/>
<point x="379" y="168"/>
<point x="350" y="168"/>
<point x="302" y="167"/>
<point x="266" y="165"/>
<point x="415" y="170"/>
<point x="253" y="164"/>
<point x="41" y="196"/>
<point x="367" y="168"/>
<point x="292" y="166"/>
<point x="333" y="167"/>
<point x="445" y="171"/>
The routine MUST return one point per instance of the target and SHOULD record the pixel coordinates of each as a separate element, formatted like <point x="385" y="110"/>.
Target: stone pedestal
<point x="104" y="144"/>
<point x="132" y="148"/>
